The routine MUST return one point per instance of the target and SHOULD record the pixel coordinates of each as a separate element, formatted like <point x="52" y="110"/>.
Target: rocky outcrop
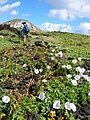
<point x="16" y="23"/>
<point x="7" y="27"/>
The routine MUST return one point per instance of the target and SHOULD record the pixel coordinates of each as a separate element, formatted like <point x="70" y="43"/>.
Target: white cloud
<point x="13" y="13"/>
<point x="84" y="28"/>
<point x="3" y="1"/>
<point x="7" y="7"/>
<point x="62" y="14"/>
<point x="56" y="27"/>
<point x="68" y="9"/>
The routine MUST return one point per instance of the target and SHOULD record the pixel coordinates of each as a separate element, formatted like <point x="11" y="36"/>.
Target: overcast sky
<point x="50" y="15"/>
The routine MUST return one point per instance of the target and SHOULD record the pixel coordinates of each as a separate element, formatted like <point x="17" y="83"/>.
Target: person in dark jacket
<point x="24" y="31"/>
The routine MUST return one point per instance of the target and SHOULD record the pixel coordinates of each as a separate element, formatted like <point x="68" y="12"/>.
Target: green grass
<point x="75" y="44"/>
<point x="24" y="86"/>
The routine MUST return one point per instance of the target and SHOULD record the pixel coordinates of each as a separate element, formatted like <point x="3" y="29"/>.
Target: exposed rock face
<point x="16" y="23"/>
<point x="7" y="27"/>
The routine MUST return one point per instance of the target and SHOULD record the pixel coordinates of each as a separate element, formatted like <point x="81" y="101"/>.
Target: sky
<point x="50" y="15"/>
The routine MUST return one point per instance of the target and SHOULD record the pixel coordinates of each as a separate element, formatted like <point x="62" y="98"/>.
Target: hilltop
<point x="16" y="23"/>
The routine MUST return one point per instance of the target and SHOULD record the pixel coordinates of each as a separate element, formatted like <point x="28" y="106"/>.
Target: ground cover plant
<point x="42" y="81"/>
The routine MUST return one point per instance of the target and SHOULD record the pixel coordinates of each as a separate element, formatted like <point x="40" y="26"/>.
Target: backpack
<point x="25" y="28"/>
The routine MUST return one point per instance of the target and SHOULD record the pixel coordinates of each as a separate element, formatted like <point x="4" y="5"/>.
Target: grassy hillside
<point x="48" y="78"/>
<point x="75" y="44"/>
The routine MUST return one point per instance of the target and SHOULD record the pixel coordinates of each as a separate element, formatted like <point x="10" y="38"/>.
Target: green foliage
<point x="58" y="85"/>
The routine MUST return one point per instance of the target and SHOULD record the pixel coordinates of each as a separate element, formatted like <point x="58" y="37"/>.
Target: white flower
<point x="68" y="66"/>
<point x="42" y="96"/>
<point x="64" y="66"/>
<point x="56" y="54"/>
<point x="73" y="107"/>
<point x="77" y="77"/>
<point x="52" y="58"/>
<point x="67" y="106"/>
<point x="25" y="65"/>
<point x="60" y="53"/>
<point x="82" y="70"/>
<point x="56" y="104"/>
<point x="74" y="82"/>
<point x="78" y="69"/>
<point x="6" y="99"/>
<point x="86" y="77"/>
<point x="44" y="80"/>
<point x="51" y="53"/>
<point x="69" y="75"/>
<point x="79" y="58"/>
<point x="36" y="71"/>
<point x="89" y="94"/>
<point x="1" y="36"/>
<point x="40" y="70"/>
<point x="74" y="61"/>
<point x="48" y="67"/>
<point x="53" y="50"/>
<point x="70" y="106"/>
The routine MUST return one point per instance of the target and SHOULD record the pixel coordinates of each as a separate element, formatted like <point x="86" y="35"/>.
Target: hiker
<point x="24" y="31"/>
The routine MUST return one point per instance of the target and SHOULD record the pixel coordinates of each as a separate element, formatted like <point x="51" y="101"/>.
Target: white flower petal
<point x="53" y="50"/>
<point x="68" y="66"/>
<point x="74" y="61"/>
<point x="64" y="66"/>
<point x="82" y="70"/>
<point x="56" y="54"/>
<point x="79" y="58"/>
<point x="25" y="65"/>
<point x="89" y="94"/>
<point x="42" y="96"/>
<point x="44" y="80"/>
<point x="78" y="68"/>
<point x="56" y="104"/>
<point x="88" y="79"/>
<point x="70" y="106"/>
<point x="69" y="75"/>
<point x="6" y="99"/>
<point x="36" y="71"/>
<point x="74" y="82"/>
<point x="60" y="53"/>
<point x="48" y="67"/>
<point x="67" y="106"/>
<point x="51" y="53"/>
<point x="73" y="107"/>
<point x="40" y="70"/>
<point x="52" y="58"/>
<point x="77" y="77"/>
<point x="85" y="77"/>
